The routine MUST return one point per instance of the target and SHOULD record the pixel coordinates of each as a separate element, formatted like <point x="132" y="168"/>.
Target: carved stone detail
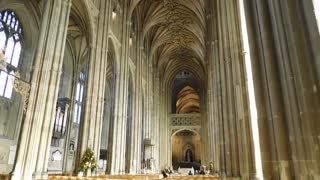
<point x="23" y="88"/>
<point x="185" y="120"/>
<point x="3" y="63"/>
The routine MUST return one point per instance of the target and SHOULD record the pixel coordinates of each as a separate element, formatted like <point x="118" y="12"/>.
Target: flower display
<point x="88" y="161"/>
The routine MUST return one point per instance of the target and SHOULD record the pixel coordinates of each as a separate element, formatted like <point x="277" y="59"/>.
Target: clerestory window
<point x="11" y="46"/>
<point x="79" y="98"/>
<point x="316" y="5"/>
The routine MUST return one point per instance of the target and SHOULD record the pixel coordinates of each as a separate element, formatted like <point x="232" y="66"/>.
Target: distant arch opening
<point x="186" y="149"/>
<point x="188" y="101"/>
<point x="185" y="93"/>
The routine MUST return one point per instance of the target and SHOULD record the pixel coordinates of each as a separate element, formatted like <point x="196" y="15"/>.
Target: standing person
<point x="211" y="169"/>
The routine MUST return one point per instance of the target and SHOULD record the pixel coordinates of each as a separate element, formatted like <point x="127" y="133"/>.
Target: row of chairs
<point x="133" y="177"/>
<point x="4" y="177"/>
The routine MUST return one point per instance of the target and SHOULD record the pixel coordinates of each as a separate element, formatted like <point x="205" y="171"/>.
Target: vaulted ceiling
<point x="188" y="101"/>
<point x="172" y="30"/>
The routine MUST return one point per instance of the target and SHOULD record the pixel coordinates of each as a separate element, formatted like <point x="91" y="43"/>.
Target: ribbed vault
<point x="188" y="101"/>
<point x="172" y="30"/>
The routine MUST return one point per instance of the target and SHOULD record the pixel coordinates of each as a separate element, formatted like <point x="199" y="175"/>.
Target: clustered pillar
<point x="284" y="63"/>
<point x="117" y="145"/>
<point x="33" y="151"/>
<point x="94" y="102"/>
<point x="229" y="125"/>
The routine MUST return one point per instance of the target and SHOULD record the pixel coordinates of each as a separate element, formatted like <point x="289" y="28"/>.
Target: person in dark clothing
<point x="164" y="173"/>
<point x="169" y="170"/>
<point x="202" y="171"/>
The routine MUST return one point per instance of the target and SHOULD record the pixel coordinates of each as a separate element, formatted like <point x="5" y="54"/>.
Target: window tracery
<point x="11" y="46"/>
<point x="79" y="98"/>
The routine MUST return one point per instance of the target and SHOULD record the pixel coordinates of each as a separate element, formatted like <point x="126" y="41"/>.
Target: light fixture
<point x="130" y="40"/>
<point x="114" y="14"/>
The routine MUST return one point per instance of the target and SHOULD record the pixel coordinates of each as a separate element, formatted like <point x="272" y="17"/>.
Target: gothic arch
<point x="185" y="129"/>
<point x="88" y="13"/>
<point x="114" y="48"/>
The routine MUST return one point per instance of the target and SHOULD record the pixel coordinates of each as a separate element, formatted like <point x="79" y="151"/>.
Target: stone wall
<point x="7" y="155"/>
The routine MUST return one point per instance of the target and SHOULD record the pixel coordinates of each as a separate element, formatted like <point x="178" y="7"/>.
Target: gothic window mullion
<point x="11" y="48"/>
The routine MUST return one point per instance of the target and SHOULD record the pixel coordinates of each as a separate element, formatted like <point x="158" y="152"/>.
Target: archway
<point x="186" y="149"/>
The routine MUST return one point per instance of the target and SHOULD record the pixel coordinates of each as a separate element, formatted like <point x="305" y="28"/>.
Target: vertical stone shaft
<point x="282" y="58"/>
<point x="230" y="107"/>
<point x="137" y="112"/>
<point x="93" y="115"/>
<point x="121" y="102"/>
<point x="37" y="128"/>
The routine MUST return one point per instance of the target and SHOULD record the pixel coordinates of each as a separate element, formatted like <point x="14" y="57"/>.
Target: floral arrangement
<point x="88" y="161"/>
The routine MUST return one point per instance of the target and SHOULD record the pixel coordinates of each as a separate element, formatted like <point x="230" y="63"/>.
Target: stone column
<point x="148" y="101"/>
<point x="156" y="122"/>
<point x="214" y="89"/>
<point x="299" y="88"/>
<point x="230" y="98"/>
<point x="35" y="140"/>
<point x="164" y="127"/>
<point x="117" y="144"/>
<point x="135" y="165"/>
<point x="91" y="125"/>
<point x="286" y="88"/>
<point x="210" y="80"/>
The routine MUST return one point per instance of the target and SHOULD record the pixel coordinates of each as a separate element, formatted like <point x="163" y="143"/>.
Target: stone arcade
<point x="148" y="84"/>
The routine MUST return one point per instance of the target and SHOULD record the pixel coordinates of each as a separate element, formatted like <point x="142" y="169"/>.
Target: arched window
<point x="11" y="45"/>
<point x="316" y="4"/>
<point x="79" y="97"/>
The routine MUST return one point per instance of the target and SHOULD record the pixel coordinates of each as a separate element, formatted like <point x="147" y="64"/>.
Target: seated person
<point x="164" y="173"/>
<point x="202" y="171"/>
<point x="169" y="170"/>
<point x="190" y="173"/>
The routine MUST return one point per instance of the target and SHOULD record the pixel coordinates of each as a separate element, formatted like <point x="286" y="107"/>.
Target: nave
<point x="126" y="87"/>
